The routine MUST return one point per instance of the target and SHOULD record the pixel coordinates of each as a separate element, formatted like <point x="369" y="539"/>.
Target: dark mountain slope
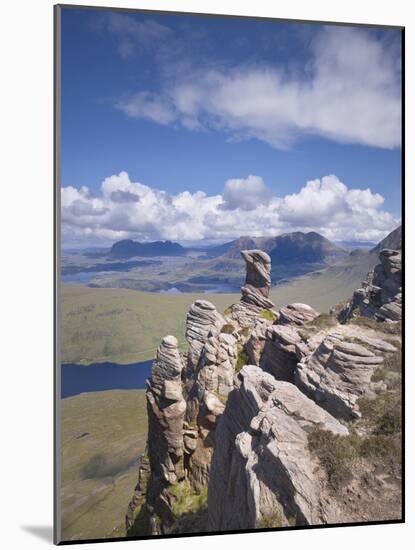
<point x="393" y="241"/>
<point x="129" y="248"/>
<point x="288" y="248"/>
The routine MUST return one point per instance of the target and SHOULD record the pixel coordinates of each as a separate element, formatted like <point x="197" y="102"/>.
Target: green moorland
<point x="125" y="326"/>
<point x="122" y="325"/>
<point x="102" y="435"/>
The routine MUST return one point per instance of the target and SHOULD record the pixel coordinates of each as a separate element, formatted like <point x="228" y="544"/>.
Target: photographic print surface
<point x="229" y="328"/>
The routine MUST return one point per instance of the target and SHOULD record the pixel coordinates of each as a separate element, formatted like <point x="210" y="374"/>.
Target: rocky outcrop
<point x="273" y="343"/>
<point x="340" y="369"/>
<point x="258" y="279"/>
<point x="380" y="296"/>
<point x="185" y="398"/>
<point x="201" y="321"/>
<point x="166" y="408"/>
<point x="279" y="357"/>
<point x="166" y="411"/>
<point x="235" y="412"/>
<point x="140" y="491"/>
<point x="296" y="314"/>
<point x="255" y="292"/>
<point x="262" y="472"/>
<point x="205" y="402"/>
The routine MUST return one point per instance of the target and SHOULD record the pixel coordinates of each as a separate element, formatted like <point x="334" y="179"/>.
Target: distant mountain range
<point x="288" y="248"/>
<point x="169" y="266"/>
<point x="128" y="249"/>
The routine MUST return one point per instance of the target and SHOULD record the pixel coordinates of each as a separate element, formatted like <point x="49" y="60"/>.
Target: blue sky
<point x="252" y="126"/>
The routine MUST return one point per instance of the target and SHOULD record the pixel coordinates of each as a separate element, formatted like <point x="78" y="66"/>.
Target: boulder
<point x="296" y="314"/>
<point x="262" y="471"/>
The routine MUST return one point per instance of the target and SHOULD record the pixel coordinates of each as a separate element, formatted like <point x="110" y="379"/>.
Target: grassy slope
<point x="98" y="470"/>
<point x="125" y="326"/>
<point x="326" y="288"/>
<point x="121" y="325"/>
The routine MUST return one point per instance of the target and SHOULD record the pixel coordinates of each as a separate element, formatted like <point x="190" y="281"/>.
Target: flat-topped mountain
<point x="128" y="249"/>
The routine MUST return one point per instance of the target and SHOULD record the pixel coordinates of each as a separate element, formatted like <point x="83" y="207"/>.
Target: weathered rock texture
<point x="202" y="320"/>
<point x="166" y="411"/>
<point x="166" y="408"/>
<point x="280" y="357"/>
<point x="340" y="369"/>
<point x="262" y="471"/>
<point x="258" y="279"/>
<point x="381" y="294"/>
<point x="234" y="413"/>
<point x="185" y="398"/>
<point x="255" y="292"/>
<point x="140" y="491"/>
<point x="296" y="314"/>
<point x="205" y="403"/>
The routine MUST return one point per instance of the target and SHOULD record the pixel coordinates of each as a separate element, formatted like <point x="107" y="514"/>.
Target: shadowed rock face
<point x="279" y="357"/>
<point x="262" y="467"/>
<point x="166" y="410"/>
<point x="381" y="295"/>
<point x="213" y="381"/>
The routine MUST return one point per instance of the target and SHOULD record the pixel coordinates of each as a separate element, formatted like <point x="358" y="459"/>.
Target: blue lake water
<point x="76" y="379"/>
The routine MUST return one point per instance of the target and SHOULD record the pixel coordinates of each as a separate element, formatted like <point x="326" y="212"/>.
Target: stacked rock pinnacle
<point x="233" y="413"/>
<point x="255" y="292"/>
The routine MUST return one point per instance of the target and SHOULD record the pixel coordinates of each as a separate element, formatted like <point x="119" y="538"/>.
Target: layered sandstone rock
<point x="262" y="471"/>
<point x="296" y="314"/>
<point x="245" y="434"/>
<point x="279" y="357"/>
<point x="184" y="405"/>
<point x="258" y="279"/>
<point x="166" y="410"/>
<point x="381" y="294"/>
<point x="202" y="320"/>
<point x="255" y="292"/>
<point x="340" y="369"/>
<point x="205" y="402"/>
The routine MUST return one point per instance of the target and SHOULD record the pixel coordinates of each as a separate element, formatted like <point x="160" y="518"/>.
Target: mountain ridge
<point x="128" y="248"/>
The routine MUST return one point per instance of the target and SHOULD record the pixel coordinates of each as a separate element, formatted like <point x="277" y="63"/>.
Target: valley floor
<point x="125" y="326"/>
<point x="102" y="436"/>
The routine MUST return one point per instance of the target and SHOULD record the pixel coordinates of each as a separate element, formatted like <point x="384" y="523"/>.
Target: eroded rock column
<point x="255" y="292"/>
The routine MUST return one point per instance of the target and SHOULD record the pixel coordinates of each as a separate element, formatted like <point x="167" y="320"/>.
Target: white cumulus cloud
<point x="246" y="207"/>
<point x="246" y="194"/>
